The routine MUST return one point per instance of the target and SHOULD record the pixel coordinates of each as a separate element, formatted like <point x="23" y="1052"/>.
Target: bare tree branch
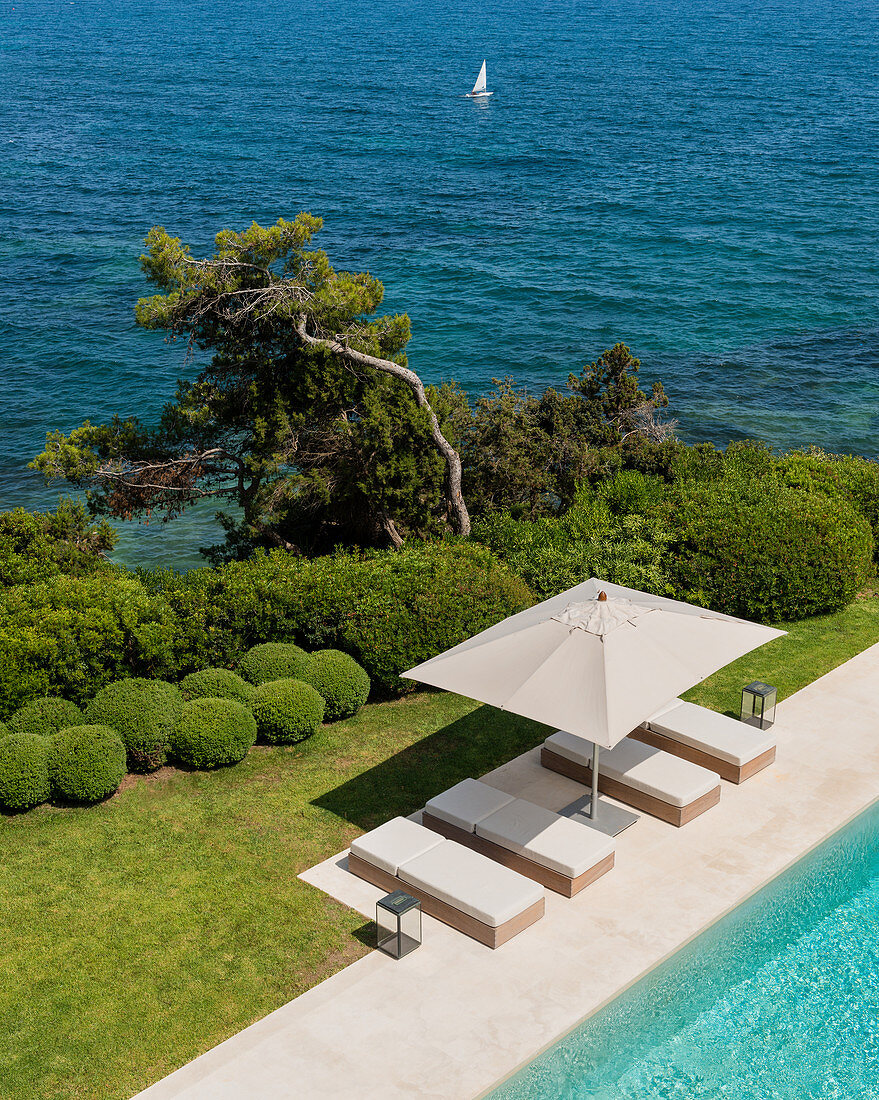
<point x="458" y="513"/>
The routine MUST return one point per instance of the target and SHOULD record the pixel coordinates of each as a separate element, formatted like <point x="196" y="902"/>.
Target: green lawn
<point x="139" y="933"/>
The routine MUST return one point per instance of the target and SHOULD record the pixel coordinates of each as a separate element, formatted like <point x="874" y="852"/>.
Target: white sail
<point x="479" y="86"/>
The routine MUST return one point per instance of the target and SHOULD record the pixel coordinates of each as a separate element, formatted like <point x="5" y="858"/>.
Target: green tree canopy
<point x="306" y="414"/>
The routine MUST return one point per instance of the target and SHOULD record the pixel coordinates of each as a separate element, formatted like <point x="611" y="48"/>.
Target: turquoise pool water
<point x="778" y="1001"/>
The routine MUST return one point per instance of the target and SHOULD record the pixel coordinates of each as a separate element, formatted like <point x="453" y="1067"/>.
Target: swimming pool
<point x="777" y="1001"/>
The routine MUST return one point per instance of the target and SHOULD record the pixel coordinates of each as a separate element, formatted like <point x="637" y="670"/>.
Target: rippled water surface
<point x="779" y="1001"/>
<point x="696" y="178"/>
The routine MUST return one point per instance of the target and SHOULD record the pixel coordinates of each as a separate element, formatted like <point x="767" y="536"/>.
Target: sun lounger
<point x="733" y="749"/>
<point x="639" y="775"/>
<point x="454" y="884"/>
<point x="554" y="851"/>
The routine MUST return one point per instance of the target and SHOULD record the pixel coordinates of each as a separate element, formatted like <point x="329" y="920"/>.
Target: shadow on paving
<point x="469" y="746"/>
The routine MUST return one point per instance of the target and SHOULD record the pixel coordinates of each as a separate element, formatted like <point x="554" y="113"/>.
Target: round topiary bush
<point x="343" y="684"/>
<point x="765" y="551"/>
<point x="212" y="732"/>
<point x="216" y="683"/>
<point x="286" y="711"/>
<point x="24" y="771"/>
<point x="86" y="763"/>
<point x="45" y="716"/>
<point x="143" y="713"/>
<point x="5" y="731"/>
<point x="273" y="661"/>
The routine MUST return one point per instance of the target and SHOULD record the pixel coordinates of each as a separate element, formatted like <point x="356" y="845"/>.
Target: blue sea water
<point x="695" y="177"/>
<point x="778" y="1001"/>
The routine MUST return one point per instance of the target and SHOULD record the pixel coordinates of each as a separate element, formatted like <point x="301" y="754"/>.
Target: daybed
<point x="554" y="851"/>
<point x="454" y="884"/>
<point x="733" y="749"/>
<point x="646" y="778"/>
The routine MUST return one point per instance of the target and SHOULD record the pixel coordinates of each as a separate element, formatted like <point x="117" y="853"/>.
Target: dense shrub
<point x="37" y="545"/>
<point x="273" y="661"/>
<point x="71" y="635"/>
<point x="45" y="716"/>
<point x="287" y="711"/>
<point x="4" y="731"/>
<point x="216" y="683"/>
<point x="343" y="684"/>
<point x="630" y="493"/>
<point x="86" y="763"/>
<point x="143" y="713"/>
<point x="24" y="771"/>
<point x="389" y="610"/>
<point x="553" y="554"/>
<point x="768" y="552"/>
<point x="841" y="477"/>
<point x="212" y="732"/>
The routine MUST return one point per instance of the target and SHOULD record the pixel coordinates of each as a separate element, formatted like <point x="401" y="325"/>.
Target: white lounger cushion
<point x="467" y="803"/>
<point x="716" y="734"/>
<point x="651" y="771"/>
<point x="556" y="842"/>
<point x="395" y="842"/>
<point x="471" y="883"/>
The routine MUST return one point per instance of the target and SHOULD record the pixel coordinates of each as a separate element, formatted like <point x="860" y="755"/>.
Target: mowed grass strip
<point x="139" y="933"/>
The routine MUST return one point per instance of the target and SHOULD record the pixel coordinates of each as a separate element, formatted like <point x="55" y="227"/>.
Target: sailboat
<point x="479" y="87"/>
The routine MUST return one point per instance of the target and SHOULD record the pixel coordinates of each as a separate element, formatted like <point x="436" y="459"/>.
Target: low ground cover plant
<point x="45" y="716"/>
<point x="86" y="763"/>
<point x="273" y="661"/>
<point x="287" y="711"/>
<point x="341" y="681"/>
<point x="24" y="771"/>
<point x="195" y="726"/>
<point x="143" y="713"/>
<point x="216" y="683"/>
<point x="212" y="733"/>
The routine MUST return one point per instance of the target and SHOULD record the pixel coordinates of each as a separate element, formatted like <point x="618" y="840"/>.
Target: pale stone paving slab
<point x="453" y="1018"/>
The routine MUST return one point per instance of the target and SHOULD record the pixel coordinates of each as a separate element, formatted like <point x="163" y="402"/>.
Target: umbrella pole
<point x="593" y="805"/>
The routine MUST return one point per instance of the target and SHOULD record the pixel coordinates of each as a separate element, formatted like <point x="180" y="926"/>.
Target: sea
<point x="697" y="178"/>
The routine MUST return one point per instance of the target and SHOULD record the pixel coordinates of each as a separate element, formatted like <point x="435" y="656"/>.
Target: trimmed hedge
<point x="24" y="771"/>
<point x="212" y="733"/>
<point x="273" y="661"/>
<point x="767" y="552"/>
<point x="341" y="681"/>
<point x="216" y="683"/>
<point x="388" y="610"/>
<point x="144" y="714"/>
<point x="4" y="731"/>
<point x="86" y="763"/>
<point x="45" y="716"/>
<point x="287" y="711"/>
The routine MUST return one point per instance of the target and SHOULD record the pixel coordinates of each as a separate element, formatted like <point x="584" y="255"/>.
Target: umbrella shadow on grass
<point x="469" y="746"/>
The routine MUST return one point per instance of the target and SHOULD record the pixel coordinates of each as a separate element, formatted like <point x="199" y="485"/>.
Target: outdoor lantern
<point x="398" y="922"/>
<point x="758" y="704"/>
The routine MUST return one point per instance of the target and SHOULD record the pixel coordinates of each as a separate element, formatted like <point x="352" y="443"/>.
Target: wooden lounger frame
<point x="674" y="815"/>
<point x="733" y="773"/>
<point x="463" y="922"/>
<point x="546" y="876"/>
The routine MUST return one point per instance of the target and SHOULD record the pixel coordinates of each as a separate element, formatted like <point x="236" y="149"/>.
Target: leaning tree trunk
<point x="459" y="517"/>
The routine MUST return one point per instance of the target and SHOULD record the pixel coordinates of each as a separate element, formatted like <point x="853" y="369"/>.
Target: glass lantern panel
<point x="386" y="924"/>
<point x="410" y="930"/>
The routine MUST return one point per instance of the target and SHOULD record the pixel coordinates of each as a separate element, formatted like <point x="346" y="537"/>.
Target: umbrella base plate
<point x="611" y="819"/>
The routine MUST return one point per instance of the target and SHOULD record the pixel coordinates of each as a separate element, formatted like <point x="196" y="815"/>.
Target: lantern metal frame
<point x="759" y="701"/>
<point x="398" y="924"/>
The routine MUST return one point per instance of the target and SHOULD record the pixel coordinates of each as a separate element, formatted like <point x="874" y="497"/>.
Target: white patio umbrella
<point x="596" y="660"/>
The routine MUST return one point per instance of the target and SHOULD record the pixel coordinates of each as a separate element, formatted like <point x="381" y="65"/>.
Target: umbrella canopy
<point x="590" y="666"/>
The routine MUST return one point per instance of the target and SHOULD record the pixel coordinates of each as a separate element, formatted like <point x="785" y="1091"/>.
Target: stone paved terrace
<point x="453" y="1018"/>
